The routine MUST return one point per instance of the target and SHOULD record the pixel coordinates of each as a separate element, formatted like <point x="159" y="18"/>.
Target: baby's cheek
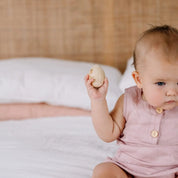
<point x="155" y="98"/>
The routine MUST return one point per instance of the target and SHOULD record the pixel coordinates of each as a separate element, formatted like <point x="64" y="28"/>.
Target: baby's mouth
<point x="170" y="101"/>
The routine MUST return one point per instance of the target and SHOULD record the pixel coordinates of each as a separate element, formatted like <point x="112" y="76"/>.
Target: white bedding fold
<point x="56" y="147"/>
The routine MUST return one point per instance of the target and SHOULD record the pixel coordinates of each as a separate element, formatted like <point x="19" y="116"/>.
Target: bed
<point x="46" y="49"/>
<point x="45" y="123"/>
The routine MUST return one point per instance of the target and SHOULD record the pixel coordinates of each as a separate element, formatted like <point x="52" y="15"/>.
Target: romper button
<point x="154" y="133"/>
<point x="159" y="110"/>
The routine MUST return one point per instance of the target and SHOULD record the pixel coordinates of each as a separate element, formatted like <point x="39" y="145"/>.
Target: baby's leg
<point x="109" y="170"/>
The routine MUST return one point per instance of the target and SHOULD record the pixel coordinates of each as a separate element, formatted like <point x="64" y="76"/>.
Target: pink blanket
<point x="23" y="111"/>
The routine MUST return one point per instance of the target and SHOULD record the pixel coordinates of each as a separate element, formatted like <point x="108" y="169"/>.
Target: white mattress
<point x="58" y="147"/>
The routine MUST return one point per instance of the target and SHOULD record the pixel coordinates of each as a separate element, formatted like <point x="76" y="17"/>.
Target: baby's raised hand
<point x="93" y="92"/>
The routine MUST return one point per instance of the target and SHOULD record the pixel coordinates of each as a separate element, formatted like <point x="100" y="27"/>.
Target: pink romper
<point x="148" y="146"/>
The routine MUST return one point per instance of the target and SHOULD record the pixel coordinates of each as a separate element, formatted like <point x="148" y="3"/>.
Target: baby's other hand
<point x="96" y="93"/>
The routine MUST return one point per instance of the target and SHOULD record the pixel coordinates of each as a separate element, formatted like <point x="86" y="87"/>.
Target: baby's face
<point x="159" y="81"/>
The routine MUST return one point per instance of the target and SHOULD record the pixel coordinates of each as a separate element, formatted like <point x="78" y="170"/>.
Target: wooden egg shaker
<point x="97" y="73"/>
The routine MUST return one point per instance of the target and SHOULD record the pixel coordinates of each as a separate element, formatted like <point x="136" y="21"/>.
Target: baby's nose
<point x="171" y="92"/>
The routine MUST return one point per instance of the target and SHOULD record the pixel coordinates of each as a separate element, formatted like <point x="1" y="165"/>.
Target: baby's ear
<point x="137" y="79"/>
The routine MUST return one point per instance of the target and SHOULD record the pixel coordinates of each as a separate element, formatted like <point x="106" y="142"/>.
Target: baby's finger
<point x="105" y="84"/>
<point x="106" y="81"/>
<point x="88" y="81"/>
<point x="86" y="77"/>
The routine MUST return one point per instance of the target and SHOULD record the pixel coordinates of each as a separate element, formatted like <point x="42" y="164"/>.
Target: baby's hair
<point x="168" y="34"/>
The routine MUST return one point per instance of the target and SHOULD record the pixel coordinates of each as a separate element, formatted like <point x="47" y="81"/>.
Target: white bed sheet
<point x="56" y="147"/>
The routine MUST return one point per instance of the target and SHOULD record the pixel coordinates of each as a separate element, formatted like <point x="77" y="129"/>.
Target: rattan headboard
<point x="101" y="31"/>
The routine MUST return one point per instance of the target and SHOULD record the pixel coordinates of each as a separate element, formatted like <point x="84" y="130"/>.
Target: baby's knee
<point x="100" y="171"/>
<point x="108" y="170"/>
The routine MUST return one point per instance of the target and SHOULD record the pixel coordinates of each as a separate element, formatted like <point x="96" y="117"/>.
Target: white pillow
<point x="53" y="81"/>
<point x="127" y="79"/>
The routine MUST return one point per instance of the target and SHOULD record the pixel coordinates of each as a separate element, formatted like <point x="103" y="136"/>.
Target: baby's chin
<point x="168" y="106"/>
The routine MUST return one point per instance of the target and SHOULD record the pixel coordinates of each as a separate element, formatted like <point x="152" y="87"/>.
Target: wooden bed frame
<point x="101" y="31"/>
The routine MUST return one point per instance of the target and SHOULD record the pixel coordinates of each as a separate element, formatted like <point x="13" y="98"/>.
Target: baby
<point x="144" y="120"/>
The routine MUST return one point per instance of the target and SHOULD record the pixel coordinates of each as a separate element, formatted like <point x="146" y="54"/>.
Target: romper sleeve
<point x="131" y="98"/>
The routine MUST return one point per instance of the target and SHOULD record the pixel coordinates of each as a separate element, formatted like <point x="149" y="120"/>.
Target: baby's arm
<point x="108" y="126"/>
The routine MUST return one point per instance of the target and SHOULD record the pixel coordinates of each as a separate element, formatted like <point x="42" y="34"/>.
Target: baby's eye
<point x="160" y="83"/>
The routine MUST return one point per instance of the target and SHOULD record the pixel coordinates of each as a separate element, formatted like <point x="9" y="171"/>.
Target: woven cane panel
<point x="102" y="31"/>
